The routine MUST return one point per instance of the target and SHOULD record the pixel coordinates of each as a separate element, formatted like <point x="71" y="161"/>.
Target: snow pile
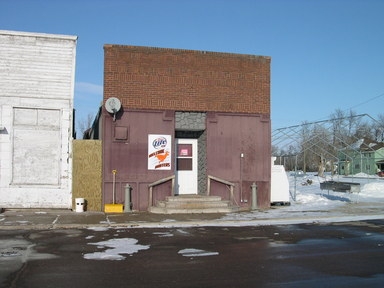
<point x="364" y="175"/>
<point x="373" y="190"/>
<point x="313" y="200"/>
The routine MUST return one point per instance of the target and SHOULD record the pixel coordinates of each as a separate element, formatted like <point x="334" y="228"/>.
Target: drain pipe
<point x="127" y="200"/>
<point x="254" y="196"/>
<point x="113" y="185"/>
<point x="241" y="177"/>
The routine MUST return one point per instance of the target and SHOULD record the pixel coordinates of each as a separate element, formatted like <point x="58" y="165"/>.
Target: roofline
<point x="36" y="34"/>
<point x="186" y="50"/>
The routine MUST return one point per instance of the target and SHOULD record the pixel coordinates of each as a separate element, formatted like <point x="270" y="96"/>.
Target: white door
<point x="186" y="166"/>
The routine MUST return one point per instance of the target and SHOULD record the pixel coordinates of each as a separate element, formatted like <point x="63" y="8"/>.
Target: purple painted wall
<point x="129" y="156"/>
<point x="228" y="137"/>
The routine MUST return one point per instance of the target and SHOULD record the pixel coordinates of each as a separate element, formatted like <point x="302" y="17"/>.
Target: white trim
<point x="36" y="34"/>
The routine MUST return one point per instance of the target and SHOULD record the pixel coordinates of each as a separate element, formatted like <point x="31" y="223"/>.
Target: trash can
<point x="79" y="204"/>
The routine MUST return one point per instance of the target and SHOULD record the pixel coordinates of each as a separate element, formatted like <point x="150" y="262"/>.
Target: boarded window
<point x="36" y="146"/>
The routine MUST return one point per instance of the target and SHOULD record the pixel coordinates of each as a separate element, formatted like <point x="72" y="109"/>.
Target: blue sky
<point x="326" y="54"/>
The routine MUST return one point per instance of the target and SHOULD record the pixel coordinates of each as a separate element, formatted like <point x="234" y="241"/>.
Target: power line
<point x="365" y="102"/>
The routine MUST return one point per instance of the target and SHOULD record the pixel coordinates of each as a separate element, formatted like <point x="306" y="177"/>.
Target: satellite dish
<point x="113" y="105"/>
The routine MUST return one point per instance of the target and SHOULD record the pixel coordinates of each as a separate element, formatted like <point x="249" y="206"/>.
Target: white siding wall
<point x="36" y="112"/>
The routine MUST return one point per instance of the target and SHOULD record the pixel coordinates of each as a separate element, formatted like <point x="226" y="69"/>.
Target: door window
<point x="184" y="157"/>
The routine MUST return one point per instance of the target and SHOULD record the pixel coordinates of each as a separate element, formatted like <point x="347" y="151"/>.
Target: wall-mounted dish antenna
<point x="113" y="105"/>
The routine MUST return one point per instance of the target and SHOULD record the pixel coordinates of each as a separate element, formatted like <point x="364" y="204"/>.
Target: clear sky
<point x="326" y="54"/>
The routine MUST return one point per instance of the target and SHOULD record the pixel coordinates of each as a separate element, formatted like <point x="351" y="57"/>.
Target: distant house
<point x="37" y="76"/>
<point x="364" y="156"/>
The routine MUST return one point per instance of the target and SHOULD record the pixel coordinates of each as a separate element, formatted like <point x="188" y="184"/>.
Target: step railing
<point x="158" y="182"/>
<point x="229" y="184"/>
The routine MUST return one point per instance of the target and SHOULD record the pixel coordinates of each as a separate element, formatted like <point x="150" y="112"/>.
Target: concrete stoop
<point x="189" y="204"/>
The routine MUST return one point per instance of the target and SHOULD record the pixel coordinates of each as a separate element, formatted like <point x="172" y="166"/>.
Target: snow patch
<point x="117" y="248"/>
<point x="98" y="228"/>
<point x="163" y="234"/>
<point x="23" y="222"/>
<point x="182" y="231"/>
<point x="169" y="220"/>
<point x="191" y="252"/>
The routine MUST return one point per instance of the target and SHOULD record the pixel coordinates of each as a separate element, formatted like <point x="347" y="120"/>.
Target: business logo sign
<point x="160" y="142"/>
<point x="159" y="152"/>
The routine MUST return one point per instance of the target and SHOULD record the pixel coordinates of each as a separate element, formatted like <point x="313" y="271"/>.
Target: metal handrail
<point x="161" y="181"/>
<point x="230" y="184"/>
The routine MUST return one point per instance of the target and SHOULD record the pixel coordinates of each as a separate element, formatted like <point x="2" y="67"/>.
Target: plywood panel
<point x="87" y="175"/>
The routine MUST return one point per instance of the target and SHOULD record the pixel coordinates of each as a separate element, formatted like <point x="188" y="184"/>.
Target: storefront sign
<point x="159" y="152"/>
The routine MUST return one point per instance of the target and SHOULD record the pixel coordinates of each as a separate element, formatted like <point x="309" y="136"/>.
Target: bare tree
<point x="338" y="123"/>
<point x="85" y="123"/>
<point x="352" y="123"/>
<point x="378" y="128"/>
<point x="364" y="130"/>
<point x="305" y="135"/>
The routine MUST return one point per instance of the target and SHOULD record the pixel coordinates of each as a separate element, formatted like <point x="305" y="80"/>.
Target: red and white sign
<point x="159" y="152"/>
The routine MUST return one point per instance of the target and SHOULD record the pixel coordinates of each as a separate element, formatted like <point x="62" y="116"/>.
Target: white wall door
<point x="186" y="166"/>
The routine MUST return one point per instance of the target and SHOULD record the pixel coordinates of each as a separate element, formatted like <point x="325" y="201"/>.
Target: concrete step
<point x="189" y="204"/>
<point x="160" y="210"/>
<point x="193" y="204"/>
<point x="192" y="197"/>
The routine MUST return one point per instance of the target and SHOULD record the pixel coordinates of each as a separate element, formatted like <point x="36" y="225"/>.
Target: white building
<point x="37" y="76"/>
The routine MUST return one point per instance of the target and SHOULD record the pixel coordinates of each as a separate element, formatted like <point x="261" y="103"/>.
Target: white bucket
<point x="79" y="204"/>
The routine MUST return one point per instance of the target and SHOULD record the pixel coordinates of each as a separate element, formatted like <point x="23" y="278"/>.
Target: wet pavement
<point x="301" y="255"/>
<point x="278" y="247"/>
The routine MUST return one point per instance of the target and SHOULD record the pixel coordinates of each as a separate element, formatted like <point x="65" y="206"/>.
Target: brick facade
<point x="186" y="80"/>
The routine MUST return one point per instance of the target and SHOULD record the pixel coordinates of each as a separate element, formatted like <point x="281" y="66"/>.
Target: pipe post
<point x="254" y="196"/>
<point x="127" y="200"/>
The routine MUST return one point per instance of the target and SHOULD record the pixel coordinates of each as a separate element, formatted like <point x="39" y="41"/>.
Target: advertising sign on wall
<point x="159" y="152"/>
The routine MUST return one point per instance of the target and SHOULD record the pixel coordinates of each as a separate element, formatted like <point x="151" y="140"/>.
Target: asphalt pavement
<point x="61" y="218"/>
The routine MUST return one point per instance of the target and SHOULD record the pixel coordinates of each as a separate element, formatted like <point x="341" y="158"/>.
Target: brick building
<point x="201" y="119"/>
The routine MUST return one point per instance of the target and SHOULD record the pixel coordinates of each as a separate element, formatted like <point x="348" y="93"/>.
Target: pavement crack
<point x="56" y="219"/>
<point x="14" y="277"/>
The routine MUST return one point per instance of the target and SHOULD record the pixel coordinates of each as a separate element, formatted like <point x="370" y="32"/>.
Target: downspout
<point x="241" y="177"/>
